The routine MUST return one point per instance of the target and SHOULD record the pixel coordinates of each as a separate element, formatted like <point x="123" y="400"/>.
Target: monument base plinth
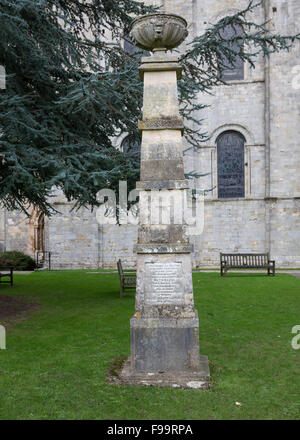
<point x="165" y="353"/>
<point x="164" y="344"/>
<point x="198" y="379"/>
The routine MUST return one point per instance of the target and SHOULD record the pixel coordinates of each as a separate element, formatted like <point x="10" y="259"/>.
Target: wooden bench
<point x="7" y="272"/>
<point x="127" y="280"/>
<point x="246" y="261"/>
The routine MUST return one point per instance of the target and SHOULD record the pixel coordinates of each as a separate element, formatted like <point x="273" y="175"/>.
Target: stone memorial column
<point x="165" y="327"/>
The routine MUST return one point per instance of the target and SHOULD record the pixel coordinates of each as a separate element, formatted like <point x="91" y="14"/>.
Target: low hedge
<point x="17" y="260"/>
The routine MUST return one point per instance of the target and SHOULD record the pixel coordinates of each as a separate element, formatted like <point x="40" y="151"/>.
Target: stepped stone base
<point x="165" y="353"/>
<point x="198" y="379"/>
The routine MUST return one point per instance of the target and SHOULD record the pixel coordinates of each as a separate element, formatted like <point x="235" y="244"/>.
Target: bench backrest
<point x="239" y="260"/>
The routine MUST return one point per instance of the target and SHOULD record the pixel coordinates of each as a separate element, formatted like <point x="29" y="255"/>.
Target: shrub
<point x="17" y="260"/>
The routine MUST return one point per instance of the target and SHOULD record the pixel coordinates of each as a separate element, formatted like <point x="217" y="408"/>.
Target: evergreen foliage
<point x="69" y="92"/>
<point x="17" y="260"/>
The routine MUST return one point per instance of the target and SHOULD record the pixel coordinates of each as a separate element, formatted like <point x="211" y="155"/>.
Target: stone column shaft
<point x="165" y="328"/>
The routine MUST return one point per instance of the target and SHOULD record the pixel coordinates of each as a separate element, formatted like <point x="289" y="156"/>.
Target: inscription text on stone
<point x="164" y="283"/>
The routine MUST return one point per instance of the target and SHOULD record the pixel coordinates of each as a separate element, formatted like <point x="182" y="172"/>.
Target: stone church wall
<point x="117" y="241"/>
<point x="265" y="109"/>
<point x="283" y="137"/>
<point x="14" y="231"/>
<point x="285" y="232"/>
<point x="73" y="237"/>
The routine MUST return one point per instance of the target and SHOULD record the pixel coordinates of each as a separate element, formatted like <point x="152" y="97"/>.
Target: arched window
<point x="129" y="46"/>
<point x="231" y="165"/>
<point x="132" y="49"/>
<point x="131" y="145"/>
<point x="232" y="70"/>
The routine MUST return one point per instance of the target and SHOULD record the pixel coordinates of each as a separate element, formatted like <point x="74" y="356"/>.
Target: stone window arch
<point x="131" y="49"/>
<point x="231" y="165"/>
<point x="129" y="46"/>
<point x="232" y="71"/>
<point x="131" y="145"/>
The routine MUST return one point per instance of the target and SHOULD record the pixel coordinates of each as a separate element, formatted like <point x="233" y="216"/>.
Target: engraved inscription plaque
<point x="164" y="283"/>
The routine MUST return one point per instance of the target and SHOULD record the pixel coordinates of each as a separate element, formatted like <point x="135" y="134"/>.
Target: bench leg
<point x="271" y="271"/>
<point x="223" y="271"/>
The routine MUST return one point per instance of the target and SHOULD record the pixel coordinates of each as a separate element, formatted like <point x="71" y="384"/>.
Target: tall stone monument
<point x="165" y="327"/>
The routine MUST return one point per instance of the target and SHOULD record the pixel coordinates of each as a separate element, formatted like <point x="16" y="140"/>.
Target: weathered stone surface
<point x="161" y="124"/>
<point x="162" y="234"/>
<point x="164" y="283"/>
<point x="164" y="345"/>
<point x="159" y="62"/>
<point x="162" y="184"/>
<point x="164" y="209"/>
<point x="161" y="155"/>
<point x="182" y="305"/>
<point x="196" y="379"/>
<point x="172" y="169"/>
<point x="163" y="67"/>
<point x="163" y="248"/>
<point x="160" y="94"/>
<point x="156" y="31"/>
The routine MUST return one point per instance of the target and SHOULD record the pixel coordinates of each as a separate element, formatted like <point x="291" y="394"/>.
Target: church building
<point x="250" y="165"/>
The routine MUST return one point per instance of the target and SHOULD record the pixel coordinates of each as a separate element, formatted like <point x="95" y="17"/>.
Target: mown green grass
<point x="56" y="360"/>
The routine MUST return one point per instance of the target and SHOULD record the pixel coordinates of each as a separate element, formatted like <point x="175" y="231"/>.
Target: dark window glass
<point x="231" y="171"/>
<point x="131" y="146"/>
<point x="129" y="46"/>
<point x="235" y="70"/>
<point x="132" y="49"/>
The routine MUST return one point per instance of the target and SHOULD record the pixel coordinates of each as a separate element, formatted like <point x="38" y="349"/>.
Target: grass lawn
<point x="56" y="360"/>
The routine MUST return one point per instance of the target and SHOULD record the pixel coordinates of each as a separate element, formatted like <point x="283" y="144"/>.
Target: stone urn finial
<point x="158" y="32"/>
